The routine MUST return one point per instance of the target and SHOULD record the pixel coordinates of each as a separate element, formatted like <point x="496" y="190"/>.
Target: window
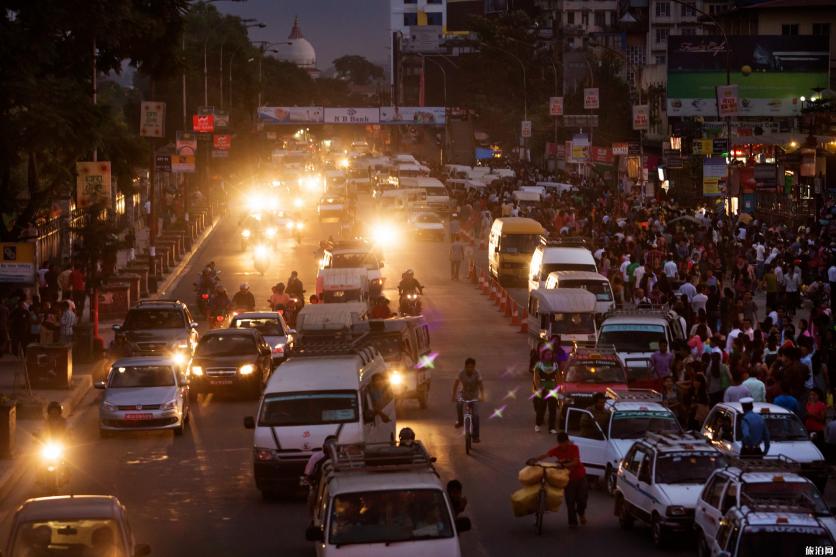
<point x="660" y="59"/>
<point x="410" y="20"/>
<point x="435" y="1"/>
<point x="600" y="18"/>
<point x="645" y="469"/>
<point x="688" y="10"/>
<point x="663" y="9"/>
<point x="584" y="18"/>
<point x="688" y="31"/>
<point x="711" y="494"/>
<point x="410" y="1"/>
<point x="662" y="34"/>
<point x="821" y="29"/>
<point x="434" y="18"/>
<point x="570" y="18"/>
<point x="789" y="29"/>
<point x="632" y="462"/>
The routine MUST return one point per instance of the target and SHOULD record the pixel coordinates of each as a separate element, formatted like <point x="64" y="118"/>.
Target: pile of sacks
<point x="524" y="500"/>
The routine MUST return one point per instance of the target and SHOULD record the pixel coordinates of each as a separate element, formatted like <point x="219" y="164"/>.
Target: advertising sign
<point x="556" y="106"/>
<point x="619" y="149"/>
<point x="525" y="128"/>
<point x="220" y="153"/>
<point x="771" y="72"/>
<point x="641" y="117"/>
<point x="714" y="176"/>
<point x="427" y="115"/>
<point x="579" y="149"/>
<point x="290" y="114"/>
<point x="702" y="146"/>
<point x="602" y="155"/>
<point x="186" y="143"/>
<point x="203" y="123"/>
<point x="766" y="177"/>
<point x="352" y="116"/>
<point x="591" y="100"/>
<point x="727" y="100"/>
<point x="222" y="142"/>
<point x="151" y="119"/>
<point x="182" y="163"/>
<point x="162" y="163"/>
<point x="221" y="119"/>
<point x="17" y="264"/>
<point x="93" y="183"/>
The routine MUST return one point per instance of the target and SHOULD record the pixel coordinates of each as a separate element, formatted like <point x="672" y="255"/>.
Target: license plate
<point x="138" y="416"/>
<point x="221" y="381"/>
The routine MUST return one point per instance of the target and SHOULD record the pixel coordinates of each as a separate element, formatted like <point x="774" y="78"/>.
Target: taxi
<point x="587" y="373"/>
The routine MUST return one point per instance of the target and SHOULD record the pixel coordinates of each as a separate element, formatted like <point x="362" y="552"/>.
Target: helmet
<point x="54" y="406"/>
<point x="409" y="272"/>
<point x="244" y="286"/>
<point x="406" y="435"/>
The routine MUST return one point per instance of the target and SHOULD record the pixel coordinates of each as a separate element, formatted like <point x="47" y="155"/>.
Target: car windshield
<point x="389" y="517"/>
<point x="600" y="288"/>
<point x="552" y="267"/>
<point x="632" y="338"/>
<point x="804" y="493"/>
<point x="519" y="243"/>
<point x="68" y="537"/>
<point x="267" y="326"/>
<point x="686" y="468"/>
<point x="426" y="218"/>
<point x="573" y="323"/>
<point x="308" y="408"/>
<point x="781" y="540"/>
<point x="633" y="425"/>
<point x="390" y="346"/>
<point x="226" y="345"/>
<point x="782" y="427"/>
<point x="138" y="319"/>
<point x="591" y="371"/>
<point x="141" y="376"/>
<point x="353" y="261"/>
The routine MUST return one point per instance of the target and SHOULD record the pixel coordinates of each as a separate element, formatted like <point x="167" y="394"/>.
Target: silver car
<point x="272" y="327"/>
<point x="144" y="394"/>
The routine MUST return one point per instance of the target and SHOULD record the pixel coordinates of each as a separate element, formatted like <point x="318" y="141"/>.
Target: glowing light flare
<point x="498" y="412"/>
<point x="427" y="361"/>
<point x="385" y="234"/>
<point x="512" y="394"/>
<point x="52" y="451"/>
<point x="178" y="358"/>
<point x="552" y="393"/>
<point x="261" y="251"/>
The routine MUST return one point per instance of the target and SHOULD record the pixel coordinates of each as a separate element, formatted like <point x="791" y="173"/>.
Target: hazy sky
<point x="334" y="27"/>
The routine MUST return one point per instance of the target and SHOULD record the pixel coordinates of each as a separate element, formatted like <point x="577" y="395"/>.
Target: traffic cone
<point x="493" y="291"/>
<point x="483" y="283"/>
<point x="508" y="303"/>
<point x="503" y="300"/>
<point x="515" y="314"/>
<point x="524" y="321"/>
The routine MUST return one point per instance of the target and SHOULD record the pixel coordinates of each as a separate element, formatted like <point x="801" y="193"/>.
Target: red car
<point x="587" y="373"/>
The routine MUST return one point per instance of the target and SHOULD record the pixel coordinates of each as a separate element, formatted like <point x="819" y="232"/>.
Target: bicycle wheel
<point x="467" y="438"/>
<point x="541" y="511"/>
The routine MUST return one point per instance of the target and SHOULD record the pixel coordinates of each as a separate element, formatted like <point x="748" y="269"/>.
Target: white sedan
<point x="428" y="225"/>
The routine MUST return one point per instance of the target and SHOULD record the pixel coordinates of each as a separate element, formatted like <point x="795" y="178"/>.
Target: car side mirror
<point x="142" y="549"/>
<point x="100" y="384"/>
<point x="314" y="534"/>
<point x="249" y="422"/>
<point x="117" y="328"/>
<point x="194" y="325"/>
<point x="463" y="524"/>
<point x="291" y="331"/>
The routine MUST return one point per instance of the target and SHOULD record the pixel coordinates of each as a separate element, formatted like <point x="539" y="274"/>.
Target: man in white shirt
<point x="688" y="289"/>
<point x="625" y="262"/>
<point x="756" y="387"/>
<point x="733" y="334"/>
<point x="639" y="273"/>
<point x="671" y="270"/>
<point x="699" y="301"/>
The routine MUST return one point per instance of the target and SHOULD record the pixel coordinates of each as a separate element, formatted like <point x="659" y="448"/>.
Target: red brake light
<point x="204" y="296"/>
<point x="219" y="318"/>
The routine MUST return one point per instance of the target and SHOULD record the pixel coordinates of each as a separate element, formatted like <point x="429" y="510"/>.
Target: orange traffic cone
<point x="524" y="321"/>
<point x="515" y="315"/>
<point x="508" y="303"/>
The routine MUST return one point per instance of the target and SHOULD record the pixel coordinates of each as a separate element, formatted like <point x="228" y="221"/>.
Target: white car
<point x="427" y="224"/>
<point x="632" y="414"/>
<point x="755" y="481"/>
<point x="769" y="529"/>
<point x="272" y="327"/>
<point x="144" y="393"/>
<point x="331" y="208"/>
<point x="660" y="480"/>
<point x="788" y="436"/>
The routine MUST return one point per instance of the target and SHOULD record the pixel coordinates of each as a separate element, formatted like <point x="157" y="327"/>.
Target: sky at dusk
<point x="334" y="27"/>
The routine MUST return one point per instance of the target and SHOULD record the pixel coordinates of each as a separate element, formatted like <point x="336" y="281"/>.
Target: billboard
<point x="290" y="114"/>
<point x="771" y="73"/>
<point x="18" y="263"/>
<point x="428" y="115"/>
<point x="92" y="183"/>
<point x="352" y="115"/>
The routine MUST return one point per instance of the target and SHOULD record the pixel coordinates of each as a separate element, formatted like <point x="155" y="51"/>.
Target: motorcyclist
<point x="295" y="287"/>
<point x="244" y="299"/>
<point x="406" y="437"/>
<point x="409" y="283"/>
<point x="56" y="423"/>
<point x="220" y="303"/>
<point x="380" y="309"/>
<point x="279" y="298"/>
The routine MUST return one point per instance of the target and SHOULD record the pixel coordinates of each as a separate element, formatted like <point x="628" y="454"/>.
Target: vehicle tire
<point x="625" y="518"/>
<point x="178" y="431"/>
<point x="657" y="532"/>
<point x="609" y="482"/>
<point x="541" y="511"/>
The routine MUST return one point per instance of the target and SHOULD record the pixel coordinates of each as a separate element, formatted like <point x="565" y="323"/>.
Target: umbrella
<point x="745" y="218"/>
<point x="686" y="220"/>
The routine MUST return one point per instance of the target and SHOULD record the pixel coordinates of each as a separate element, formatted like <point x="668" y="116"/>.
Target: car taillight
<point x="278" y="349"/>
<point x="219" y="318"/>
<point x="204" y="296"/>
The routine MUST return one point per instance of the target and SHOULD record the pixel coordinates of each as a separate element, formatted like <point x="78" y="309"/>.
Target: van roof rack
<point x="777" y="463"/>
<point x="378" y="457"/>
<point x="565" y="241"/>
<point x="661" y="310"/>
<point x="159" y="301"/>
<point x="795" y="503"/>
<point x="310" y="345"/>
<point x="684" y="440"/>
<point x="634" y="395"/>
<point x="608" y="349"/>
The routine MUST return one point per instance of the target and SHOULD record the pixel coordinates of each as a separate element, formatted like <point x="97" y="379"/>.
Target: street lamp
<point x="444" y="90"/>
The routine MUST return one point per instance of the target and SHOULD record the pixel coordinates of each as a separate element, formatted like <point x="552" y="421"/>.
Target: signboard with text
<point x="290" y="114"/>
<point x="591" y="100"/>
<point x="203" y="123"/>
<point x="17" y="264"/>
<point x="93" y="183"/>
<point x="352" y="116"/>
<point x="556" y="106"/>
<point x="426" y="115"/>
<point x="152" y="119"/>
<point x="525" y="128"/>
<point x="183" y="163"/>
<point x="641" y="117"/>
<point x="186" y="143"/>
<point x="715" y="173"/>
<point x="222" y="142"/>
<point x="727" y="100"/>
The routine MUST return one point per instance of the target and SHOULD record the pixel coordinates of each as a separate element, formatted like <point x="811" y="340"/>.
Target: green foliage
<point x="357" y="69"/>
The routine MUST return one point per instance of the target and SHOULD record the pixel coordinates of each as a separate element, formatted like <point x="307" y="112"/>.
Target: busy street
<point x="363" y="291"/>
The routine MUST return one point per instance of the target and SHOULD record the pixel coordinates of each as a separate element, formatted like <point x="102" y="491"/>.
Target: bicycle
<point x="541" y="495"/>
<point x="467" y="421"/>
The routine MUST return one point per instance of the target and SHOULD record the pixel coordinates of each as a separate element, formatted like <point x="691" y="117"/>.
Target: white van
<point x="595" y="283"/>
<point x="343" y="285"/>
<point x="436" y="197"/>
<point x="315" y="396"/>
<point x="560" y="254"/>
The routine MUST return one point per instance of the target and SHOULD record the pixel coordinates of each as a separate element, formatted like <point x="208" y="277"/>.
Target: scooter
<point x="53" y="470"/>
<point x="261" y="258"/>
<point x="410" y="303"/>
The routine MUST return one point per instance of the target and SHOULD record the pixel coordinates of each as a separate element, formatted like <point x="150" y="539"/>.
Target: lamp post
<point x="264" y="46"/>
<point x="444" y="92"/>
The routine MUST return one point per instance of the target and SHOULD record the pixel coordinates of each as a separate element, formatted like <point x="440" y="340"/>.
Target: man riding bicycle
<point x="471" y="389"/>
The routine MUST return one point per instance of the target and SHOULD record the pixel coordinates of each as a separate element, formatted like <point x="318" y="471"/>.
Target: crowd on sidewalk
<point x="755" y="299"/>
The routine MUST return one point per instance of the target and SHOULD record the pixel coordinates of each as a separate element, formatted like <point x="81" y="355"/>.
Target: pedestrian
<point x="756" y="387"/>
<point x="68" y="322"/>
<point x="576" y="491"/>
<point x="816" y="411"/>
<point x="19" y="320"/>
<point x="737" y="390"/>
<point x="785" y="399"/>
<point x="545" y="385"/>
<point x="754" y="432"/>
<point x="660" y="362"/>
<point x="79" y="284"/>
<point x="456" y="257"/>
<point x="718" y="377"/>
<point x="455" y="492"/>
<point x="65" y="283"/>
<point x="473" y="390"/>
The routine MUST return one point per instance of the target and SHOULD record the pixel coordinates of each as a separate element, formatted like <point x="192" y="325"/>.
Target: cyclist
<point x="576" y="491"/>
<point x="471" y="389"/>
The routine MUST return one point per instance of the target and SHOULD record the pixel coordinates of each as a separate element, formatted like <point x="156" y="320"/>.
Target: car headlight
<point x="676" y="510"/>
<point x="108" y="406"/>
<point x="271" y="232"/>
<point x="246" y="233"/>
<point x="197" y="371"/>
<point x="289" y="225"/>
<point x="171" y="405"/>
<point x="264" y="455"/>
<point x="261" y="252"/>
<point x="396" y="378"/>
<point x="178" y="358"/>
<point x="246" y="369"/>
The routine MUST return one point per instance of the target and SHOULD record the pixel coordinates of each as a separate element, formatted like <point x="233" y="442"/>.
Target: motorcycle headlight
<point x="264" y="455"/>
<point x="396" y="378"/>
<point x="197" y="371"/>
<point x="246" y="233"/>
<point x="246" y="369"/>
<point x="52" y="451"/>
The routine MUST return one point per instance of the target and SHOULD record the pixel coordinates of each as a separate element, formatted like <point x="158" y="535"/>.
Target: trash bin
<point x="82" y="343"/>
<point x="8" y="422"/>
<point x="49" y="366"/>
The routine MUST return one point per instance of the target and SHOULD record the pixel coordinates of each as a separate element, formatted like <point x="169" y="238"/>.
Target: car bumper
<point x="139" y="420"/>
<point x="683" y="523"/>
<point x="204" y="384"/>
<point x="279" y="474"/>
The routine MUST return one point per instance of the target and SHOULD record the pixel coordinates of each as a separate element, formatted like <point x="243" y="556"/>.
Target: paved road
<point x="195" y="496"/>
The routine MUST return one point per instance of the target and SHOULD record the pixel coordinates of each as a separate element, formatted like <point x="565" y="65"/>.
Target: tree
<point x="357" y="69"/>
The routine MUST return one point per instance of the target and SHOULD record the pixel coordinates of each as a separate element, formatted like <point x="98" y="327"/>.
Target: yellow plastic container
<point x="530" y="475"/>
<point x="524" y="500"/>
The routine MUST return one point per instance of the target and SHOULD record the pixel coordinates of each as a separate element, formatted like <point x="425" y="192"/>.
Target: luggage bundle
<point x="524" y="500"/>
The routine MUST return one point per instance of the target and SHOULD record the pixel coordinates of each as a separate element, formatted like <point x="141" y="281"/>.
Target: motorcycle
<point x="217" y="320"/>
<point x="261" y="258"/>
<point x="292" y="310"/>
<point x="202" y="298"/>
<point x="410" y="303"/>
<point x="53" y="472"/>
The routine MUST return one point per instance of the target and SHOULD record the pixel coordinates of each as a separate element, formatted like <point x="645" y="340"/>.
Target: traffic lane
<point x="193" y="493"/>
